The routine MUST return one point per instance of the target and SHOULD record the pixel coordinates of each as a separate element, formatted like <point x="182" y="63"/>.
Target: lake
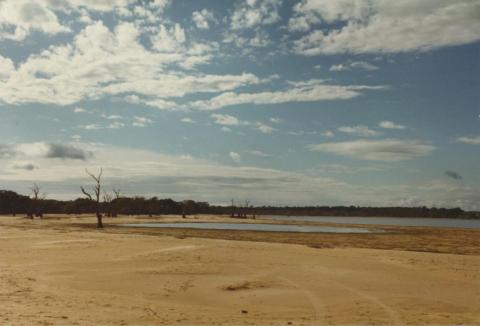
<point x="397" y="221"/>
<point x="255" y="227"/>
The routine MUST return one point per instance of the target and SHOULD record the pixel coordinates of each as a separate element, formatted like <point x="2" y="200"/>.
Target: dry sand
<point x="57" y="272"/>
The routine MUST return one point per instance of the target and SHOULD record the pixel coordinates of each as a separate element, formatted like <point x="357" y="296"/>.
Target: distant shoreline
<point x="14" y="203"/>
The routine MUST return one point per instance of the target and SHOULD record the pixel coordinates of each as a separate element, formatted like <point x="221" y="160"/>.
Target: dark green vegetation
<point x="12" y="203"/>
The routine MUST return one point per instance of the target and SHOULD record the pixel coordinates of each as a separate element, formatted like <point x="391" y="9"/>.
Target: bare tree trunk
<point x="97" y="191"/>
<point x="99" y="220"/>
<point x="36" y="197"/>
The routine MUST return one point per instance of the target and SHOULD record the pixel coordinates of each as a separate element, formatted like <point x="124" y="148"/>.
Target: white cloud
<point x="227" y="120"/>
<point x="19" y="17"/>
<point x="235" y="157"/>
<point x="203" y="18"/>
<point x="7" y="68"/>
<point x="92" y="5"/>
<point x="252" y="13"/>
<point x="169" y="40"/>
<point x="363" y="65"/>
<point x="79" y="110"/>
<point x="377" y="150"/>
<point x="266" y="129"/>
<point x="112" y="117"/>
<point x="116" y="125"/>
<point x="188" y="120"/>
<point x="474" y="140"/>
<point x="299" y="93"/>
<point x="359" y="130"/>
<point x="391" y="125"/>
<point x="100" y="63"/>
<point x="148" y="173"/>
<point x="141" y="122"/>
<point x="258" y="153"/>
<point x="339" y="67"/>
<point x="384" y="26"/>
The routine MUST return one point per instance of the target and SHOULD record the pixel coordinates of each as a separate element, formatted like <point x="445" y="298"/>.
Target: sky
<point x="311" y="102"/>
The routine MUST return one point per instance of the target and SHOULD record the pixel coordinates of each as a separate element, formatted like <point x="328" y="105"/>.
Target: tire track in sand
<point x="395" y="318"/>
<point x="316" y="303"/>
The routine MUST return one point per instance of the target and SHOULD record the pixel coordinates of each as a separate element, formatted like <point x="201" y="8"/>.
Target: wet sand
<point x="62" y="271"/>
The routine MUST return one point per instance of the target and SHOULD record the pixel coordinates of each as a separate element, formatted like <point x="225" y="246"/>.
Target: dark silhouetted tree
<point x="96" y="195"/>
<point x="36" y="198"/>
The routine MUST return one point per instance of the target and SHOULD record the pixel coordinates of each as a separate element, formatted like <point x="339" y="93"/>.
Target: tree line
<point x="12" y="203"/>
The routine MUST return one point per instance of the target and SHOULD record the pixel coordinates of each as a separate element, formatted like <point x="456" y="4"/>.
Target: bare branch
<point x="116" y="192"/>
<point x="86" y="193"/>
<point x="97" y="191"/>
<point x="107" y="197"/>
<point x="35" y="190"/>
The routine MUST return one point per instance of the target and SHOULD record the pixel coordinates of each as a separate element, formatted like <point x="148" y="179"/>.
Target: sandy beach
<point x="61" y="271"/>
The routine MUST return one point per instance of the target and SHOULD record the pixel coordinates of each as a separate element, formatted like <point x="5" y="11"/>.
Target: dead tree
<point x="116" y="194"/>
<point x="232" y="213"/>
<point x="36" y="197"/>
<point x="107" y="199"/>
<point x="96" y="197"/>
<point x="247" y="205"/>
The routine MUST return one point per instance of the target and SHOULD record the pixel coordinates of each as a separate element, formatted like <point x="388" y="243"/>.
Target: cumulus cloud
<point x="235" y="157"/>
<point x="252" y="13"/>
<point x="383" y="26"/>
<point x="102" y="62"/>
<point x="391" y="125"/>
<point x="203" y="18"/>
<point x="359" y="130"/>
<point x="376" y="150"/>
<point x="7" y="68"/>
<point x="473" y="140"/>
<point x="227" y="120"/>
<point x="453" y="175"/>
<point x="19" y="17"/>
<point x="266" y="129"/>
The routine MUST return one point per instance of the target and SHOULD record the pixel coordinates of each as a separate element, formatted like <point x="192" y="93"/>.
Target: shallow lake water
<point x="255" y="227"/>
<point x="397" y="221"/>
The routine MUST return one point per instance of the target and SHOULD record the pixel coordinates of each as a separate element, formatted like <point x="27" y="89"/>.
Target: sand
<point x="58" y="272"/>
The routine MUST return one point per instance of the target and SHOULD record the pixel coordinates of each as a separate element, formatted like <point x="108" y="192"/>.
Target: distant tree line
<point x="12" y="203"/>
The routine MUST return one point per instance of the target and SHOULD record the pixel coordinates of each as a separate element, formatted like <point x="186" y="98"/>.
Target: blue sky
<point x="280" y="102"/>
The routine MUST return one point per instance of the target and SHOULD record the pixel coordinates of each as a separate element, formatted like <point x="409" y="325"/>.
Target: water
<point x="255" y="227"/>
<point x="397" y="221"/>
